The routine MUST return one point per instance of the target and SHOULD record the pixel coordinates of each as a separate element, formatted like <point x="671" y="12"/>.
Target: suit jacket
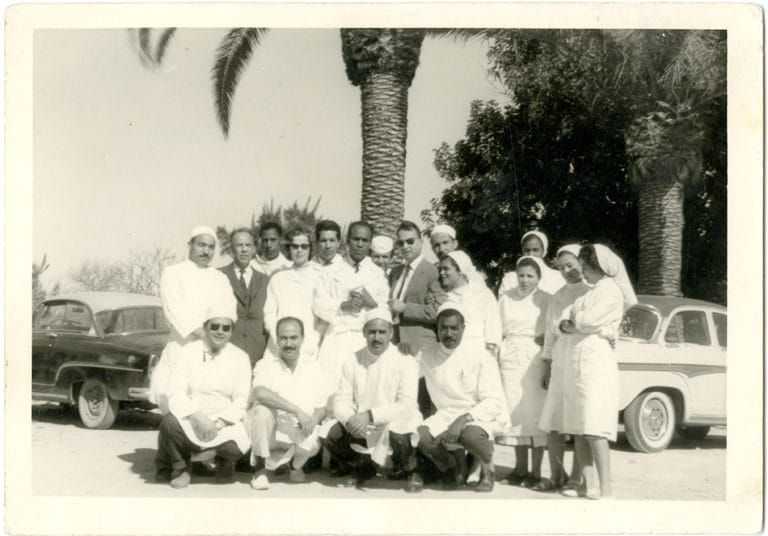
<point x="417" y="323"/>
<point x="249" y="333"/>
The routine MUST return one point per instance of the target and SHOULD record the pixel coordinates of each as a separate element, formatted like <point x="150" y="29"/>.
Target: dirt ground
<point x="69" y="460"/>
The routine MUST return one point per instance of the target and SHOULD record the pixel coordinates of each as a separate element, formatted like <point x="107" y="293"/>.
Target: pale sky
<point x="125" y="158"/>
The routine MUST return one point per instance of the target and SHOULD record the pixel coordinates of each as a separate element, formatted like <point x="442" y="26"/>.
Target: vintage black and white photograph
<point x="383" y="261"/>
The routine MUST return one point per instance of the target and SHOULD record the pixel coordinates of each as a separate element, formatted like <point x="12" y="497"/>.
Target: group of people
<point x="414" y="370"/>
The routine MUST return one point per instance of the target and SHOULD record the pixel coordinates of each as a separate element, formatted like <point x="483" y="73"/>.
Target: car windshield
<point x="63" y="316"/>
<point x="132" y="319"/>
<point x="639" y="323"/>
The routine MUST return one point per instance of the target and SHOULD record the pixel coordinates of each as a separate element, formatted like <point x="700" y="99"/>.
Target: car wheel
<point x="693" y="432"/>
<point x="96" y="409"/>
<point x="649" y="422"/>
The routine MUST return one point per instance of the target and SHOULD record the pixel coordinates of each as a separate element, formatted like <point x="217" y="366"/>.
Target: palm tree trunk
<point x="384" y="100"/>
<point x="661" y="221"/>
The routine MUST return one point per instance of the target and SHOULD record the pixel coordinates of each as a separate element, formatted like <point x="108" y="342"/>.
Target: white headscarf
<point x="541" y="236"/>
<point x="539" y="263"/>
<point x="613" y="266"/>
<point x="379" y="313"/>
<point x="201" y="230"/>
<point x="452" y="306"/>
<point x="382" y="244"/>
<point x="464" y="262"/>
<point x="573" y="249"/>
<point x="443" y="229"/>
<point x="221" y="310"/>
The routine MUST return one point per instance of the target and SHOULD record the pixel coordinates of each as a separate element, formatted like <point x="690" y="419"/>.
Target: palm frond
<point x="464" y="34"/>
<point x="145" y="48"/>
<point x="162" y="44"/>
<point x="231" y="56"/>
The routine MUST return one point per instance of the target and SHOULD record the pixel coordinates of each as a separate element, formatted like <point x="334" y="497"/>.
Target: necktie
<point x="357" y="267"/>
<point x="242" y="277"/>
<point x="402" y="285"/>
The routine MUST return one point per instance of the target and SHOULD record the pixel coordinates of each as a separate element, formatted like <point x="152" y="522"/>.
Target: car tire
<point x="96" y="408"/>
<point x="693" y="433"/>
<point x="649" y="422"/>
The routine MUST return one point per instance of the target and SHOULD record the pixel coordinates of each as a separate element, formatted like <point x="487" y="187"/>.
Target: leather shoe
<point x="415" y="484"/>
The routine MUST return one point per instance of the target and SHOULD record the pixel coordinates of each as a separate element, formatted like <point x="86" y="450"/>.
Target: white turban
<point x="378" y="313"/>
<point x="463" y="261"/>
<point x="200" y="230"/>
<point x="452" y="306"/>
<point x="613" y="266"/>
<point x="541" y="236"/>
<point x="573" y="249"/>
<point x="538" y="261"/>
<point x="443" y="229"/>
<point x="382" y="244"/>
<point x="221" y="310"/>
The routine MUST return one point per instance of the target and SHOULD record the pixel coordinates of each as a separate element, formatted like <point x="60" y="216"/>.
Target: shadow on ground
<point x="66" y="414"/>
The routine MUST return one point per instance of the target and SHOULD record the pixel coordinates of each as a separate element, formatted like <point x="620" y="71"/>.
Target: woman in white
<point x="551" y="420"/>
<point x="290" y="292"/>
<point x="523" y="310"/>
<point x="535" y="244"/>
<point x="455" y="271"/>
<point x="590" y="374"/>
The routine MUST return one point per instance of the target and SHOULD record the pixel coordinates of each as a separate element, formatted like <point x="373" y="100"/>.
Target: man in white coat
<point x="208" y="385"/>
<point x="464" y="384"/>
<point x="375" y="406"/>
<point x="187" y="290"/>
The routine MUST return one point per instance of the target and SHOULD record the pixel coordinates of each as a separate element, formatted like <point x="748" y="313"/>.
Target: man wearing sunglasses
<point x="290" y="293"/>
<point x="208" y="389"/>
<point x="250" y="290"/>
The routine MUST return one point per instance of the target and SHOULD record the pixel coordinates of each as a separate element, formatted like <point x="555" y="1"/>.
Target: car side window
<point x="688" y="327"/>
<point x="721" y="327"/>
<point x="50" y="316"/>
<point x="77" y="318"/>
<point x="638" y="323"/>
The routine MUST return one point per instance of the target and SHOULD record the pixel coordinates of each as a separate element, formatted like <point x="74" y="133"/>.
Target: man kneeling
<point x="289" y="394"/>
<point x="207" y="389"/>
<point x="375" y="405"/>
<point x="464" y="384"/>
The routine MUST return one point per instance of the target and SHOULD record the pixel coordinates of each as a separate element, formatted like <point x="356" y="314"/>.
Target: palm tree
<point x="381" y="62"/>
<point x="677" y="76"/>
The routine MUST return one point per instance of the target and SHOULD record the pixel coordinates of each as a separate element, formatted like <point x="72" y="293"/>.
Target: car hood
<point x="151" y="342"/>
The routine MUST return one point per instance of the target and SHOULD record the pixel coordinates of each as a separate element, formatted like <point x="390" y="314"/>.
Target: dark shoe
<point x="163" y="476"/>
<point x="545" y="485"/>
<point x="225" y="470"/>
<point x="530" y="481"/>
<point x="398" y="475"/>
<point x="364" y="471"/>
<point x="486" y="482"/>
<point x="203" y="469"/>
<point x="243" y="465"/>
<point x="340" y="470"/>
<point x="513" y="479"/>
<point x="314" y="463"/>
<point x="282" y="470"/>
<point x="415" y="484"/>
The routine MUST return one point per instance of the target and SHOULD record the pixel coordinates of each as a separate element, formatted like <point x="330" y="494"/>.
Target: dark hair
<point x="271" y="225"/>
<point x="588" y="256"/>
<point x="359" y="223"/>
<point x="238" y="231"/>
<point x="327" y="225"/>
<point x="298" y="231"/>
<point x="407" y="225"/>
<point x="289" y="319"/>
<point x="450" y="312"/>
<point x="532" y="263"/>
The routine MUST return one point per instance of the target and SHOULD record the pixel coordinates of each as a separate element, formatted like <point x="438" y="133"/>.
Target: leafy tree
<point x="39" y="292"/>
<point x="380" y="61"/>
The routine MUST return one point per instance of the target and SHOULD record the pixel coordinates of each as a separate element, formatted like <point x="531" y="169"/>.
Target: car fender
<point x="117" y="379"/>
<point x="640" y="378"/>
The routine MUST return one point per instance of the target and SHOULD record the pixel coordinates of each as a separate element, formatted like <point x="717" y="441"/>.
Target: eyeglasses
<point x="224" y="327"/>
<point x="409" y="241"/>
<point x="299" y="246"/>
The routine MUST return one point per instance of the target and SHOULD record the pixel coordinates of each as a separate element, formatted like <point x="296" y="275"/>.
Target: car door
<point x="693" y="352"/>
<point x="46" y="324"/>
<point x="74" y="341"/>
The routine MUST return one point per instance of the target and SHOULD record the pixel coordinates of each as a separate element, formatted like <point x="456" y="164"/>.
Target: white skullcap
<point x="382" y="244"/>
<point x="573" y="249"/>
<point x="614" y="268"/>
<point x="221" y="310"/>
<point x="463" y="261"/>
<point x="202" y="229"/>
<point x="379" y="313"/>
<point x="443" y="229"/>
<point x="452" y="306"/>
<point x="541" y="236"/>
<point x="539" y="262"/>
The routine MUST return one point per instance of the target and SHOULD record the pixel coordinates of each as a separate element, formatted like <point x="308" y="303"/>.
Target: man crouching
<point x="208" y="387"/>
<point x="289" y="394"/>
<point x="375" y="405"/>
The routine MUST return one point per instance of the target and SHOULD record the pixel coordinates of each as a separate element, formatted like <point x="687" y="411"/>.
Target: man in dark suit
<point x="409" y="284"/>
<point x="250" y="289"/>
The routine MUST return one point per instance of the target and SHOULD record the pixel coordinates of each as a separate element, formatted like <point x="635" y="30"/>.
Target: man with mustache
<point x="289" y="395"/>
<point x="187" y="290"/>
<point x="464" y="384"/>
<point x="208" y="387"/>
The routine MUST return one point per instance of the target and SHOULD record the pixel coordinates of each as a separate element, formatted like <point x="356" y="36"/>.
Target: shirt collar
<point x="415" y="262"/>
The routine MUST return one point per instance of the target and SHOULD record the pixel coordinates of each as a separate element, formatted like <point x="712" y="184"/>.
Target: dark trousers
<point x="473" y="438"/>
<point x="339" y="440"/>
<point x="174" y="448"/>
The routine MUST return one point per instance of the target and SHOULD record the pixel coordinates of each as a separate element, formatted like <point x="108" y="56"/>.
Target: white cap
<point x="221" y="310"/>
<point x="573" y="249"/>
<point x="443" y="229"/>
<point x="379" y="313"/>
<point x="452" y="306"/>
<point x="542" y="238"/>
<point x="382" y="244"/>
<point x="202" y="229"/>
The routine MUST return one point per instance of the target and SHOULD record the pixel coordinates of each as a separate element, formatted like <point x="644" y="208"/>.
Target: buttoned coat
<point x="249" y="333"/>
<point x="417" y="322"/>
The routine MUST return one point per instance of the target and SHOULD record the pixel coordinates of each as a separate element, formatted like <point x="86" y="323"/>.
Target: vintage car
<point x="96" y="350"/>
<point x="671" y="354"/>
